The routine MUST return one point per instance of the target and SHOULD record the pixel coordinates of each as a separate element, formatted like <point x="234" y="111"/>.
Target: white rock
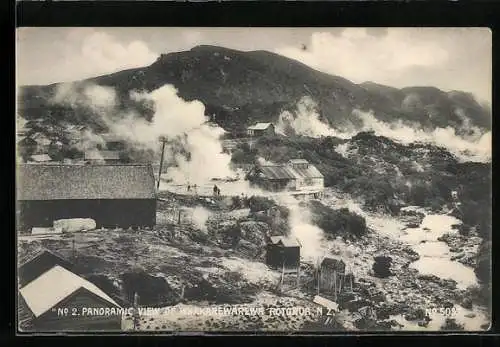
<point x="75" y="224"/>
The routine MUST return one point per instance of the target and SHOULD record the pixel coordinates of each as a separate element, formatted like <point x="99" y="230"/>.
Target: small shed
<point x="261" y="129"/>
<point x="38" y="263"/>
<point x="60" y="300"/>
<point x="333" y="277"/>
<point x="283" y="252"/>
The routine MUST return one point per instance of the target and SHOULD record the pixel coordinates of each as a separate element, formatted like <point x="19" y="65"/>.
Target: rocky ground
<point x="221" y="262"/>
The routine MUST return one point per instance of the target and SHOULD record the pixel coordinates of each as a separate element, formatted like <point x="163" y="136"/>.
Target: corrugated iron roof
<point x="102" y="155"/>
<point x="308" y="172"/>
<point x="279" y="172"/>
<point x="55" y="285"/>
<point x="74" y="181"/>
<point x="260" y="126"/>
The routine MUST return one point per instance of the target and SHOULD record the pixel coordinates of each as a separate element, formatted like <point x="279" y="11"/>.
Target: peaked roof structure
<point x="54" y="286"/>
<point x="80" y="181"/>
<point x="285" y="241"/>
<point x="260" y="126"/>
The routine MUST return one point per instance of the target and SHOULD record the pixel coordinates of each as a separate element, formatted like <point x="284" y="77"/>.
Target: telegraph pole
<point x="163" y="141"/>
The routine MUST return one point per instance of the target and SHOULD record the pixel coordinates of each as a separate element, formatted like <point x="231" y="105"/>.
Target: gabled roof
<point x="285" y="241"/>
<point x="36" y="263"/>
<point x="278" y="172"/>
<point x="260" y="126"/>
<point x="310" y="172"/>
<point x="102" y="155"/>
<point x="55" y="285"/>
<point x="76" y="181"/>
<point x="40" y="157"/>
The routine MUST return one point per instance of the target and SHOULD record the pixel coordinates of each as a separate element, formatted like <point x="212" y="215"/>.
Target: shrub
<point x="341" y="222"/>
<point x="258" y="203"/>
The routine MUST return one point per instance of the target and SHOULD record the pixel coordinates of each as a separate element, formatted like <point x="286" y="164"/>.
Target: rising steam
<point x="475" y="147"/>
<point x="193" y="151"/>
<point x="305" y="121"/>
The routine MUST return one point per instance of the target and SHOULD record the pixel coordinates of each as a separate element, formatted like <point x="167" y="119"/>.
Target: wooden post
<point x="335" y="284"/>
<point x="282" y="277"/>
<point x="161" y="162"/>
<point x="298" y="277"/>
<point x="179" y="220"/>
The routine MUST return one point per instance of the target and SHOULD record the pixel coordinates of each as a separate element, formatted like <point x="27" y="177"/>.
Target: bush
<point x="451" y="324"/>
<point x="258" y="203"/>
<point x="341" y="222"/>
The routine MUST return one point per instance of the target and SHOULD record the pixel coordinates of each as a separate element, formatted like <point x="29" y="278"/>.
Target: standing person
<point x="195" y="187"/>
<point x="189" y="187"/>
<point x="215" y="190"/>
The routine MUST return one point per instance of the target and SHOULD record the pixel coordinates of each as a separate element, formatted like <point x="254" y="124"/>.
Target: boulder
<point x="75" y="224"/>
<point x="382" y="267"/>
<point x="466" y="303"/>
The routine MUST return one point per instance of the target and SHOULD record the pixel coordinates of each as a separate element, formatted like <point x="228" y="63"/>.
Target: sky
<point x="447" y="58"/>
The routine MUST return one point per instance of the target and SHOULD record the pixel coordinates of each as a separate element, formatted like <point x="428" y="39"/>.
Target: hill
<point x="244" y="87"/>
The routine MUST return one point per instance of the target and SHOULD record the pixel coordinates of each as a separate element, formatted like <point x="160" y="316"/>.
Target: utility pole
<point x="163" y="141"/>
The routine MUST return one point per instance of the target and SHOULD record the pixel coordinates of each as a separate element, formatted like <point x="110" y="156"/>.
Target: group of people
<point x="194" y="187"/>
<point x="216" y="190"/>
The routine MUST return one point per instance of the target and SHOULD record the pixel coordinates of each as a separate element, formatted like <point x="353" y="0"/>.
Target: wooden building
<point x="282" y="252"/>
<point x="261" y="129"/>
<point x="38" y="263"/>
<point x="297" y="176"/>
<point x="112" y="195"/>
<point x="60" y="300"/>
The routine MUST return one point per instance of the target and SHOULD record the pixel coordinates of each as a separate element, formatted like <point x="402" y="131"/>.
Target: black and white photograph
<point x="192" y="179"/>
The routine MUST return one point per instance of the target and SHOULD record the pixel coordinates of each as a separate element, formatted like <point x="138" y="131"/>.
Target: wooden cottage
<point x="112" y="195"/>
<point x="38" y="263"/>
<point x="261" y="129"/>
<point x="282" y="252"/>
<point x="297" y="176"/>
<point x="60" y="300"/>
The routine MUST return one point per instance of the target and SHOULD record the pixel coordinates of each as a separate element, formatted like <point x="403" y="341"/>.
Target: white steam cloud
<point x="476" y="147"/>
<point x="309" y="235"/>
<point x="200" y="217"/>
<point x="305" y="121"/>
<point x="192" y="143"/>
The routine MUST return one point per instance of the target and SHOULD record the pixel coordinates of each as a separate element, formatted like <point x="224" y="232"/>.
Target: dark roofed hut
<point x="112" y="195"/>
<point x="38" y="263"/>
<point x="282" y="252"/>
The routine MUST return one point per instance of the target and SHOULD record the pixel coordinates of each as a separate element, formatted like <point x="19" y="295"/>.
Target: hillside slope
<point x="244" y="87"/>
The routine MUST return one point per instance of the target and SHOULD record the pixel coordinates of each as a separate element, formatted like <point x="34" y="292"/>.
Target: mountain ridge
<point x="245" y="87"/>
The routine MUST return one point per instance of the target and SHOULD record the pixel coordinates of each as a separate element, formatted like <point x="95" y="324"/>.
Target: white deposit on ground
<point x="45" y="231"/>
<point x="75" y="224"/>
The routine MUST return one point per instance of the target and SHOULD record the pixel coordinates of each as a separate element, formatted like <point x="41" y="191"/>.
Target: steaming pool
<point x="434" y="254"/>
